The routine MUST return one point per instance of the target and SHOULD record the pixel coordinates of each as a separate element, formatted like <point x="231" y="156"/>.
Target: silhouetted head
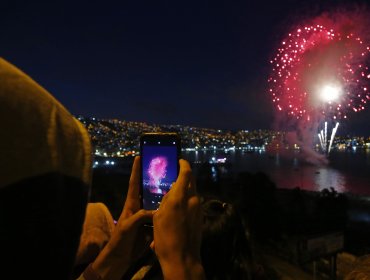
<point x="225" y="251"/>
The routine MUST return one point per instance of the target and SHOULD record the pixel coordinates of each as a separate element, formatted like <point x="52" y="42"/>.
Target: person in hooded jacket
<point x="45" y="179"/>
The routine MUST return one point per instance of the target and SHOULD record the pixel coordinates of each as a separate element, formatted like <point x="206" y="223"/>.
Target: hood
<point x="45" y="175"/>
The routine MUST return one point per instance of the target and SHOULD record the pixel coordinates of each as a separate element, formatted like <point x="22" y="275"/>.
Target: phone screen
<point x="159" y="167"/>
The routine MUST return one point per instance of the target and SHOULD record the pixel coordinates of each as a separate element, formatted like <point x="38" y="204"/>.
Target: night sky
<point x="200" y="63"/>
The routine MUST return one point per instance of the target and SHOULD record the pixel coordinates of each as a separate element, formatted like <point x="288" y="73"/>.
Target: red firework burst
<point x="319" y="69"/>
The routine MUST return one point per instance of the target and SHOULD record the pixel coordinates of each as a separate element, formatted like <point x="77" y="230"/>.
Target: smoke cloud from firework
<point x="320" y="72"/>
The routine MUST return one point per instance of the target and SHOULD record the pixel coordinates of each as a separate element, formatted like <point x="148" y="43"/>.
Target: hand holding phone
<point x="160" y="154"/>
<point x="178" y="230"/>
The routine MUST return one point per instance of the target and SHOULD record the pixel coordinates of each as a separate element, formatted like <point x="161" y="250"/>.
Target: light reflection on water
<point x="346" y="172"/>
<point x="331" y="178"/>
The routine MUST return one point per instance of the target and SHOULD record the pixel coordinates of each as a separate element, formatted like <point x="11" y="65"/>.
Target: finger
<point x="194" y="204"/>
<point x="141" y="217"/>
<point x="164" y="198"/>
<point x="134" y="184"/>
<point x="179" y="189"/>
<point x="152" y="246"/>
<point x="192" y="188"/>
<point x="173" y="183"/>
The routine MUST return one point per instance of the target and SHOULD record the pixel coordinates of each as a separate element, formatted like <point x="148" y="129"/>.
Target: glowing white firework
<point x="326" y="134"/>
<point x="325" y="143"/>
<point x="321" y="141"/>
<point x="332" y="136"/>
<point x="330" y="93"/>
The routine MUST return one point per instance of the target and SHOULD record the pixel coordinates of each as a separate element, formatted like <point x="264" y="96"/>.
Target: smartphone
<point x="160" y="154"/>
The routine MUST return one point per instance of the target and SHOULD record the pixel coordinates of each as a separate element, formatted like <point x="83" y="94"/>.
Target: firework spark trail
<point x="334" y="131"/>
<point x="326" y="135"/>
<point x="321" y="141"/>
